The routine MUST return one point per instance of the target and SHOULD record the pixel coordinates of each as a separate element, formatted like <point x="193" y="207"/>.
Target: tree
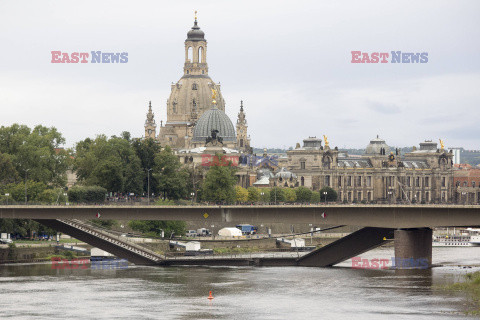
<point x="146" y="150"/>
<point x="253" y="194"/>
<point x="315" y="197"/>
<point x="171" y="176"/>
<point x="219" y="183"/>
<point x="277" y="195"/>
<point x="265" y="197"/>
<point x="303" y="194"/>
<point x="241" y="194"/>
<point x="331" y="194"/>
<point x="110" y="163"/>
<point x="36" y="154"/>
<point x="155" y="227"/>
<point x="290" y="195"/>
<point x="8" y="174"/>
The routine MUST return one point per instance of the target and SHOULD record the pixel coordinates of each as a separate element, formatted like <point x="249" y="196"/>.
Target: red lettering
<point x="84" y="56"/>
<point x="75" y="57"/>
<point x="374" y="264"/>
<point x="365" y="58"/>
<point x="356" y="263"/>
<point x="55" y="58"/>
<point x="65" y="57"/>
<point x="355" y="56"/>
<point x="375" y="57"/>
<point x="55" y="264"/>
<point x="365" y="264"/>
<point x="384" y="56"/>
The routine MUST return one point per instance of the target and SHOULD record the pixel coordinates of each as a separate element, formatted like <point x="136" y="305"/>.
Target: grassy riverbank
<point x="471" y="286"/>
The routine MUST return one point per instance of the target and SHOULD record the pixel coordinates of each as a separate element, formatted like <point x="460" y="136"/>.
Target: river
<point x="36" y="291"/>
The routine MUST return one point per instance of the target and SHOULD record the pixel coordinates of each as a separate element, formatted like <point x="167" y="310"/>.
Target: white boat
<point x="452" y="241"/>
<point x="467" y="238"/>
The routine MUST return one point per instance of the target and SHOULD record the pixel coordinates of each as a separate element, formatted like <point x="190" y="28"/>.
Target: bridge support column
<point x="413" y="248"/>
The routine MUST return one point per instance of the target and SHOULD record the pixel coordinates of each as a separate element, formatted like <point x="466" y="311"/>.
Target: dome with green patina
<point x="214" y="119"/>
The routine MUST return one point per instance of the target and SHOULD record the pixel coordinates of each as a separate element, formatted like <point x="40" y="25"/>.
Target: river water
<point x="37" y="291"/>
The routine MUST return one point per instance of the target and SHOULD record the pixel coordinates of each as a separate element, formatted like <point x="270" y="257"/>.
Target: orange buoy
<point x="210" y="297"/>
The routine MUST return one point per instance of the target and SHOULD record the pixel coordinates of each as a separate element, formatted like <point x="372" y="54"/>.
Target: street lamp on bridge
<point x="7" y="195"/>
<point x="325" y="194"/>
<point x="26" y="171"/>
<point x="148" y="183"/>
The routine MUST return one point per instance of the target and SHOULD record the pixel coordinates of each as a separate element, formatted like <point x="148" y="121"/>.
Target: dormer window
<point x="194" y="86"/>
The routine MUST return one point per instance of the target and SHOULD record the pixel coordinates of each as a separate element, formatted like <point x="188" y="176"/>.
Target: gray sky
<point x="288" y="60"/>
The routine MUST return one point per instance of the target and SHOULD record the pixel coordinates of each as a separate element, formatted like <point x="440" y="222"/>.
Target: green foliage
<point x="165" y="202"/>
<point x="265" y="198"/>
<point x="154" y="227"/>
<point x="17" y="191"/>
<point x="107" y="224"/>
<point x="110" y="163"/>
<point x="146" y="150"/>
<point x="331" y="194"/>
<point x="219" y="183"/>
<point x="277" y="195"/>
<point x="52" y="196"/>
<point x="241" y="194"/>
<point x="303" y="194"/>
<point x="315" y="197"/>
<point x="472" y="287"/>
<point x="8" y="174"/>
<point x="290" y="195"/>
<point x="253" y="194"/>
<point x="35" y="154"/>
<point x="171" y="176"/>
<point x="89" y="194"/>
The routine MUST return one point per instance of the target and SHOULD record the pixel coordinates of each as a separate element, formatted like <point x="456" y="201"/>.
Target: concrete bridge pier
<point x="413" y="248"/>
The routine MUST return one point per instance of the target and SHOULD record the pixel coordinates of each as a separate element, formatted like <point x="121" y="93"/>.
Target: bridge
<point x="408" y="225"/>
<point x="379" y="216"/>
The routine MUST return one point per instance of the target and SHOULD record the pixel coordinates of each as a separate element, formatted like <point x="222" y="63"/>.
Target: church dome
<point x="195" y="34"/>
<point x="376" y="145"/>
<point x="214" y="119"/>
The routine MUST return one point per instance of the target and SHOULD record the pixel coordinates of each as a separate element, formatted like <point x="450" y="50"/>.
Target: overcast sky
<point x="290" y="61"/>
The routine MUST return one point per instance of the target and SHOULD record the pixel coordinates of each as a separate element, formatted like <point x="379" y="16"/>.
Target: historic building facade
<point x="424" y="175"/>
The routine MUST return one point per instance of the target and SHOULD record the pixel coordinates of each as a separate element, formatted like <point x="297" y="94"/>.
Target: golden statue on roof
<point x="214" y="96"/>
<point x="442" y="145"/>
<point x="326" y="141"/>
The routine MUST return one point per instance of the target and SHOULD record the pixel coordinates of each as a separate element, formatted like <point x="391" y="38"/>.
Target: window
<point x="473" y="184"/>
<point x="327" y="181"/>
<point x="339" y="181"/>
<point x="359" y="196"/>
<point x="194" y="86"/>
<point x="349" y="181"/>
<point x="427" y="182"/>
<point x="369" y="196"/>
<point x="444" y="181"/>
<point x="427" y="196"/>
<point x="409" y="182"/>
<point x="417" y="182"/>
<point x="241" y="143"/>
<point x="302" y="181"/>
<point x="200" y="55"/>
<point x="358" y="181"/>
<point x="302" y="166"/>
<point x="369" y="181"/>
<point x="349" y="196"/>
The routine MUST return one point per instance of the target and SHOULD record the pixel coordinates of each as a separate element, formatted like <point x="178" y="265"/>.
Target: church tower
<point x="243" y="140"/>
<point x="190" y="96"/>
<point x="150" y="126"/>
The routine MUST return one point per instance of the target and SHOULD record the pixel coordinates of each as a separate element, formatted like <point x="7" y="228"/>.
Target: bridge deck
<point x="382" y="216"/>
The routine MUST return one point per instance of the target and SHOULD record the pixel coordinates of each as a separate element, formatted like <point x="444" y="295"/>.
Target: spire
<point x="241" y="115"/>
<point x="241" y="105"/>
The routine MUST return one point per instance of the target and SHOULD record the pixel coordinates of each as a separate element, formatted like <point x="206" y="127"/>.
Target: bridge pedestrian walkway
<point x="116" y="245"/>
